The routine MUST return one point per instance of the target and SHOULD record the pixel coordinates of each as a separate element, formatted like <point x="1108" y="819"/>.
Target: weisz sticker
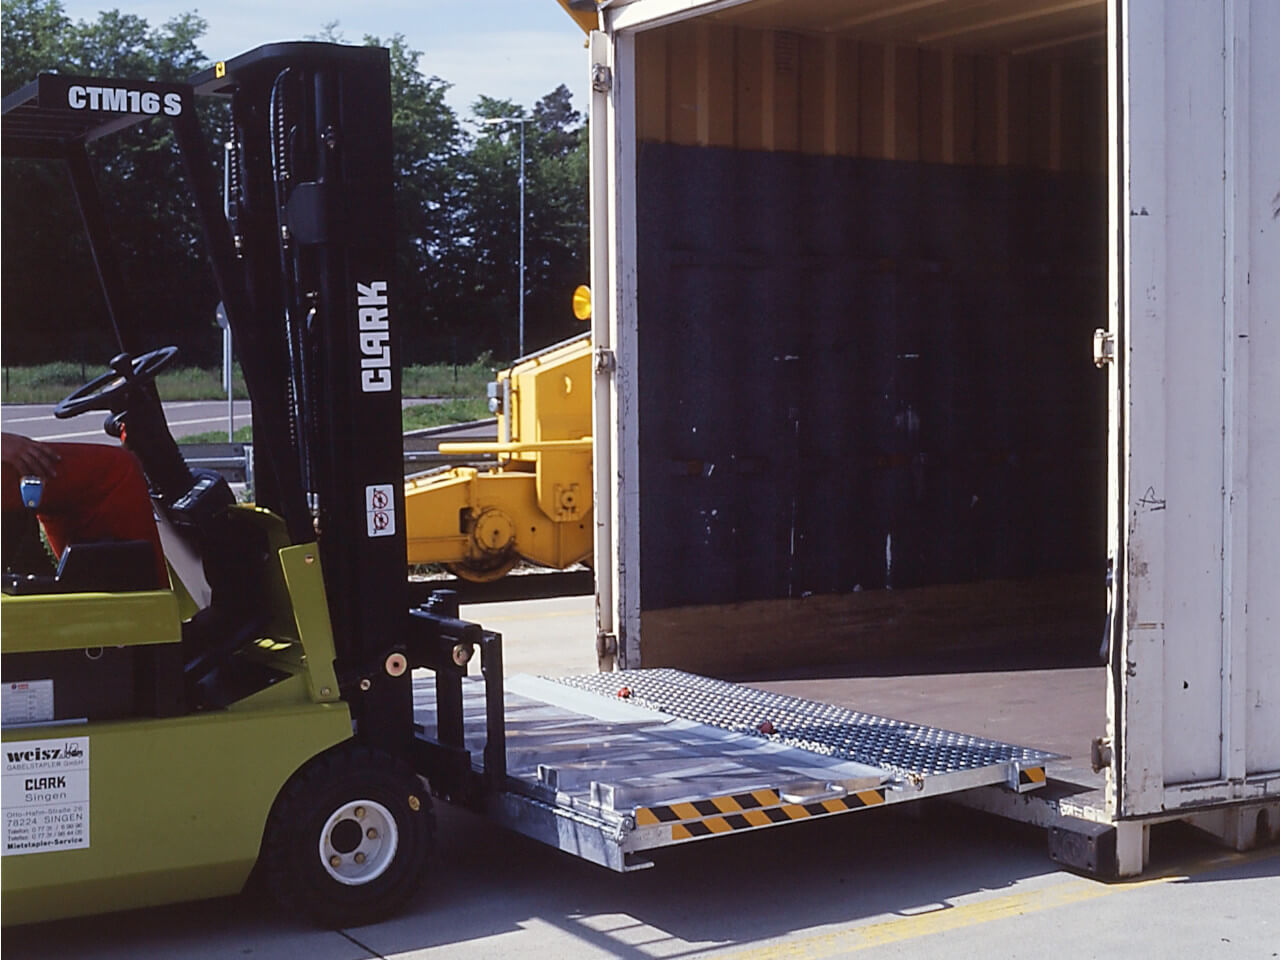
<point x="46" y="795"/>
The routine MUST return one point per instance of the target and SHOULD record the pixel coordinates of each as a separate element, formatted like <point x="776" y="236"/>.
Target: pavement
<point x="915" y="880"/>
<point x="186" y="417"/>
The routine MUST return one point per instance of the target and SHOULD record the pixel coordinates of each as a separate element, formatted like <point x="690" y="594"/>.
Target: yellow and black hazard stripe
<point x="743" y="811"/>
<point x="1030" y="777"/>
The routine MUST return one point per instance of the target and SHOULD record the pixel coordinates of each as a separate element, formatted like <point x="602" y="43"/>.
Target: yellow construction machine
<point x="535" y="503"/>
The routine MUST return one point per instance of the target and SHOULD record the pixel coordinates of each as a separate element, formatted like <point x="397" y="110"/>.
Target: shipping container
<point x="947" y="331"/>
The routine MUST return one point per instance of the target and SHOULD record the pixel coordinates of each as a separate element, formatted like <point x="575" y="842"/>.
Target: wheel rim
<point x="358" y="842"/>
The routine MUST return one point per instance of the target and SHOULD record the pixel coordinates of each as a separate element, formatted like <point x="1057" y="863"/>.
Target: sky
<point x="509" y="49"/>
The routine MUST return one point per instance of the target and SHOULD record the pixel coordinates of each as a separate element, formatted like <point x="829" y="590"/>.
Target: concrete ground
<point x="899" y="882"/>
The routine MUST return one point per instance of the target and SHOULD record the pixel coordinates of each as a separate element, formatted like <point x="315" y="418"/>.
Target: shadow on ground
<point x="486" y="883"/>
<point x="492" y="893"/>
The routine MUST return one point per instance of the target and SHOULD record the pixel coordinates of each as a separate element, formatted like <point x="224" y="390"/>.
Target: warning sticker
<point x="46" y="795"/>
<point x="380" y="509"/>
<point x="27" y="701"/>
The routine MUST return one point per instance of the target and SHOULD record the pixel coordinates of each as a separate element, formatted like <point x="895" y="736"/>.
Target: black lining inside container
<point x="860" y="374"/>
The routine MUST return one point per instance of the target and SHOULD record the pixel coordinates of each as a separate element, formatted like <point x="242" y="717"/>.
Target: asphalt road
<point x="909" y="881"/>
<point x="185" y="419"/>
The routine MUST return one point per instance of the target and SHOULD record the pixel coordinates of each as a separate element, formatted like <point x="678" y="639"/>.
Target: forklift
<point x="280" y="710"/>
<point x="165" y="741"/>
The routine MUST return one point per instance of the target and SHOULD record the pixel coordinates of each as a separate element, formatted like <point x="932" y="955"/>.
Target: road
<point x="186" y="418"/>
<point x="908" y="881"/>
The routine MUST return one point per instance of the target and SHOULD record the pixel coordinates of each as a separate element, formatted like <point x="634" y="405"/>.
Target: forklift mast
<point x="305" y="272"/>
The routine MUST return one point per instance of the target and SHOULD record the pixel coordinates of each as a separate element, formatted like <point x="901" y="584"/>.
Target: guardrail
<point x="234" y="461"/>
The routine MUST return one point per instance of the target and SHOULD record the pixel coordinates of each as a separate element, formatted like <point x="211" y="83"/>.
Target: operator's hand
<point x="27" y="456"/>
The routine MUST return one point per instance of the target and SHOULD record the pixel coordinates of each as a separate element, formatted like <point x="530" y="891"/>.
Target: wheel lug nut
<point x="359" y="858"/>
<point x="359" y="813"/>
<point x="372" y="834"/>
<point x="335" y="861"/>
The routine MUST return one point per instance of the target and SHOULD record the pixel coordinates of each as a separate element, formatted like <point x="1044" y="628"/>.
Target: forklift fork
<point x="445" y="644"/>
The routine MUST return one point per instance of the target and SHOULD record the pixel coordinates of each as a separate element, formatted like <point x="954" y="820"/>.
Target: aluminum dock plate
<point x="609" y="765"/>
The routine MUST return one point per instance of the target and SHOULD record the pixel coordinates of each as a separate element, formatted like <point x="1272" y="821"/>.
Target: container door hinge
<point x="1100" y="754"/>
<point x="605" y="361"/>
<point x="601" y="78"/>
<point x="1104" y="347"/>
<point x="606" y="651"/>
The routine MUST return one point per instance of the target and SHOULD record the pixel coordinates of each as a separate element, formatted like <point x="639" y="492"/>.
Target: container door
<point x="1194" y="708"/>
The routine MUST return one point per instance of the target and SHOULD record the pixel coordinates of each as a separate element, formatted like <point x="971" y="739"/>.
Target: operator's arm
<point x="28" y="456"/>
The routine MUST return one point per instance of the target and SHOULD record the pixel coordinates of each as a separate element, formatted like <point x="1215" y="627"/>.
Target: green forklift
<point x="161" y="744"/>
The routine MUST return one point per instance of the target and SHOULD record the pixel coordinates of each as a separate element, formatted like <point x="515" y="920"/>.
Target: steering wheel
<point x="110" y="391"/>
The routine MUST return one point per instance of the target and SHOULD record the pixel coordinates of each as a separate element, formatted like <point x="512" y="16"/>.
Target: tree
<point x="148" y="205"/>
<point x="457" y="203"/>
<point x="556" y="224"/>
<point x="559" y="226"/>
<point x="427" y="144"/>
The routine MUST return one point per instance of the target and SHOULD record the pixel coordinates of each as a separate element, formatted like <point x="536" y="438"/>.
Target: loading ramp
<point x="608" y="766"/>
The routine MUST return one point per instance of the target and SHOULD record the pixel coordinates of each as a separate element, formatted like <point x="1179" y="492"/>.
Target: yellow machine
<point x="535" y="504"/>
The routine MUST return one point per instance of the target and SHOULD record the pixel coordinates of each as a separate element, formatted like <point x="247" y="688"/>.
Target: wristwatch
<point x="31" y="489"/>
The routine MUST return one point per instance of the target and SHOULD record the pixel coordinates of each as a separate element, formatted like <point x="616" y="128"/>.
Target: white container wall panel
<point x="1257" y="349"/>
<point x="1196" y="720"/>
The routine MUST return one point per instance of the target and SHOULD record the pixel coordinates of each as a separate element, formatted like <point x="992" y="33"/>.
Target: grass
<point x="242" y="435"/>
<point x="413" y="418"/>
<point x="50" y="382"/>
<point x="444" y="380"/>
<point x="450" y="411"/>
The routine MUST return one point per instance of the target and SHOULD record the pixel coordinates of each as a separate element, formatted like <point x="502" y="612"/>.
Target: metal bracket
<point x="601" y="78"/>
<point x="606" y="651"/>
<point x="1026" y="776"/>
<point x="1104" y="347"/>
<point x="605" y="360"/>
<point x="1100" y="754"/>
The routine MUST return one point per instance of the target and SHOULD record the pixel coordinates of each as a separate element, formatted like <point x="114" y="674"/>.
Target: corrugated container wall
<point x="868" y="276"/>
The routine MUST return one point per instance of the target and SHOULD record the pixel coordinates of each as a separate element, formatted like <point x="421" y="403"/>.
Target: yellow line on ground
<point x="1074" y="890"/>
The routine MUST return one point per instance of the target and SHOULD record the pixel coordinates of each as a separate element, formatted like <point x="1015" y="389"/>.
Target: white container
<point x="1195" y="424"/>
<point x="1192" y="344"/>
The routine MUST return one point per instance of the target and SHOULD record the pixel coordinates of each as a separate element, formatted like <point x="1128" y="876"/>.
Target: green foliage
<point x="556" y="226"/>
<point x="241" y="434"/>
<point x="450" y="411"/>
<point x="456" y="192"/>
<point x="51" y="301"/>
<point x="50" y="382"/>
<point x="445" y="380"/>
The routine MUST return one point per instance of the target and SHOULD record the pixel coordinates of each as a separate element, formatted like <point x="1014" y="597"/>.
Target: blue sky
<point x="514" y="49"/>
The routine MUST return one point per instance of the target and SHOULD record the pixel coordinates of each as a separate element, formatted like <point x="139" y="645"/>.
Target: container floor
<point x="1057" y="710"/>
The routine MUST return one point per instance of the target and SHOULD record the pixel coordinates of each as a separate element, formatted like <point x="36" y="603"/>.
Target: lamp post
<point x="491" y="122"/>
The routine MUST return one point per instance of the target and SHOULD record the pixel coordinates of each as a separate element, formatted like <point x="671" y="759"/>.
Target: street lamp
<point x="495" y="121"/>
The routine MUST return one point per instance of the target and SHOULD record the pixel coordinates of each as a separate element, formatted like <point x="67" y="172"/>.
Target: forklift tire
<point x="347" y="840"/>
